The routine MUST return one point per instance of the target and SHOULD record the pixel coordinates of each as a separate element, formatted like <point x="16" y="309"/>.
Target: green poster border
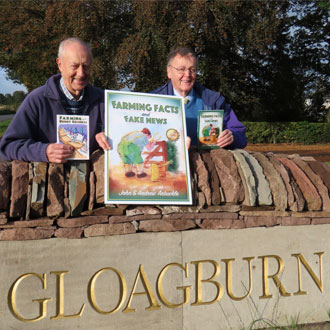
<point x="185" y="199"/>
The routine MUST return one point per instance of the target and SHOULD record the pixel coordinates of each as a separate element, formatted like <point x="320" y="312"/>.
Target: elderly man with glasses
<point x="181" y="70"/>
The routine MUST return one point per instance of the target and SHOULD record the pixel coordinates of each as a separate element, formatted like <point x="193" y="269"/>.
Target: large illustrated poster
<point x="148" y="163"/>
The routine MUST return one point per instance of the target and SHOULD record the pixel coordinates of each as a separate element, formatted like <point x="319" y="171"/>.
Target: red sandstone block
<point x="166" y="225"/>
<point x="261" y="221"/>
<point x="69" y="232"/>
<point x="320" y="221"/>
<point x="259" y="208"/>
<point x="81" y="221"/>
<point x="216" y="224"/>
<point x="256" y="213"/>
<point x="46" y="222"/>
<point x="238" y="224"/>
<point x="23" y="234"/>
<point x="170" y="209"/>
<point x="311" y="214"/>
<point x="294" y="221"/>
<point x="144" y="217"/>
<point x="232" y="208"/>
<point x="109" y="229"/>
<point x="142" y="210"/>
<point x="107" y="210"/>
<point x="218" y="216"/>
<point x="179" y="216"/>
<point x="5" y="179"/>
<point x="7" y="226"/>
<point x="119" y="219"/>
<point x="124" y="218"/>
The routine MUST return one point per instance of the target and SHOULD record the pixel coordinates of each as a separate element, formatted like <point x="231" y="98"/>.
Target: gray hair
<point x="182" y="51"/>
<point x="72" y="40"/>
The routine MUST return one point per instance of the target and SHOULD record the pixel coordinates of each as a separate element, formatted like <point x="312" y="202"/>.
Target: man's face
<point x="75" y="65"/>
<point x="182" y="82"/>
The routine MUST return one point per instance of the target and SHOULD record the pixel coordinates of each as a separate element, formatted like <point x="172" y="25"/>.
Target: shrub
<point x="289" y="132"/>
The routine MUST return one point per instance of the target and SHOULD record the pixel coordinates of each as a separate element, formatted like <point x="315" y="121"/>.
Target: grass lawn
<point x="3" y="126"/>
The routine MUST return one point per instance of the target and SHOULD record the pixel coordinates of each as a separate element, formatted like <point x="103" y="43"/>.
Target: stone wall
<point x="231" y="189"/>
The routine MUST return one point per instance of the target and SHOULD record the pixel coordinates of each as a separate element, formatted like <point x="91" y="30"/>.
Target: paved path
<point x="6" y="117"/>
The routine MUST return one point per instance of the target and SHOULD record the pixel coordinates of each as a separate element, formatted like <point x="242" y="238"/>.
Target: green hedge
<point x="293" y="132"/>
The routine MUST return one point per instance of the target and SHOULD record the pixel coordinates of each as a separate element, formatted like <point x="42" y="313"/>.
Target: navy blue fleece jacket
<point x="34" y="125"/>
<point x="214" y="101"/>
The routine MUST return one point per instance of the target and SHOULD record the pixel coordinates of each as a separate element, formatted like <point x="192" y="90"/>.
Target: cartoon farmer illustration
<point x="130" y="148"/>
<point x="210" y="133"/>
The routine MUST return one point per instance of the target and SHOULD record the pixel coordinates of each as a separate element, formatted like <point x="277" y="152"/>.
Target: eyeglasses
<point x="182" y="71"/>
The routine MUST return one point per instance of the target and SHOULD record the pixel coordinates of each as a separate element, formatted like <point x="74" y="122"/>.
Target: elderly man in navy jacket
<point x="32" y="134"/>
<point x="181" y="70"/>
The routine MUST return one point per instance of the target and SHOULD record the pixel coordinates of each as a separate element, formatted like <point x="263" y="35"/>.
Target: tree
<point x="266" y="57"/>
<point x="231" y="38"/>
<point x="309" y="48"/>
<point x="18" y="97"/>
<point x="9" y="99"/>
<point x="3" y="99"/>
<point x="30" y="32"/>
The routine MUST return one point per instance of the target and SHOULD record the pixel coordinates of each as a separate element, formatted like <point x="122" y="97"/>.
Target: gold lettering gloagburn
<point x="151" y="297"/>
<point x="274" y="277"/>
<point x="60" y="298"/>
<point x="42" y="302"/>
<point x="199" y="281"/>
<point x="229" y="278"/>
<point x="122" y="285"/>
<point x="186" y="289"/>
<point x="318" y="282"/>
<point x="202" y="284"/>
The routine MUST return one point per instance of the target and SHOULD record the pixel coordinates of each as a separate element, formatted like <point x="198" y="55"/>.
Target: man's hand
<point x="225" y="139"/>
<point x="188" y="140"/>
<point x="102" y="140"/>
<point x="58" y="153"/>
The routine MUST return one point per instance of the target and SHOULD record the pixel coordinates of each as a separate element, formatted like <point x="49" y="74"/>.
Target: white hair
<point x="64" y="43"/>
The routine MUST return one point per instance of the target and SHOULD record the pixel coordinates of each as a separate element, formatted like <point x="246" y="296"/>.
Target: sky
<point x="8" y="86"/>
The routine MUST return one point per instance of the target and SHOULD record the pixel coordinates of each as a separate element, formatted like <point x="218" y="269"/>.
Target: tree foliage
<point x="31" y="31"/>
<point x="15" y="99"/>
<point x="266" y="57"/>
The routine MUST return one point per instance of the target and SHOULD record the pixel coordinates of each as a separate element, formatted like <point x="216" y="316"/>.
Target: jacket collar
<point x="52" y="92"/>
<point x="208" y="96"/>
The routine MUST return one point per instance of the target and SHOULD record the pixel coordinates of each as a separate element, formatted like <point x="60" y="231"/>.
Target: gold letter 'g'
<point x="42" y="302"/>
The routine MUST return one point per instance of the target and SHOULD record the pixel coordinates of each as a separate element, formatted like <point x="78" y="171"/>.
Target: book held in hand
<point x="210" y="125"/>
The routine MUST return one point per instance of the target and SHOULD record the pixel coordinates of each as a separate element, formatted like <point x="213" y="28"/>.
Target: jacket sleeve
<point x="233" y="124"/>
<point x="21" y="139"/>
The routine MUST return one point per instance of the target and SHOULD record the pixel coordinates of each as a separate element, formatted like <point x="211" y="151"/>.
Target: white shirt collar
<point x="188" y="97"/>
<point x="68" y="94"/>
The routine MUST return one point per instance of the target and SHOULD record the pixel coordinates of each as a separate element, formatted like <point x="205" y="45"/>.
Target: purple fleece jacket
<point x="34" y="125"/>
<point x="214" y="101"/>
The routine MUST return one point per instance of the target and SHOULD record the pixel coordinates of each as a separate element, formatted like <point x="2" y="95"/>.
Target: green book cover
<point x="210" y="125"/>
